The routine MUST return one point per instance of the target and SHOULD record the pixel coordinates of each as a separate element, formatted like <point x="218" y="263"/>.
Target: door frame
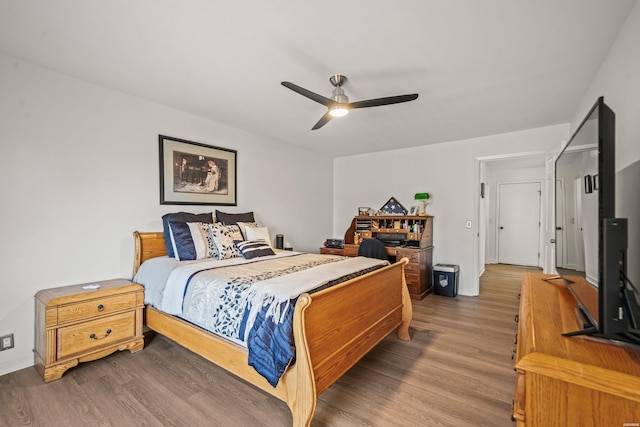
<point x="478" y="266"/>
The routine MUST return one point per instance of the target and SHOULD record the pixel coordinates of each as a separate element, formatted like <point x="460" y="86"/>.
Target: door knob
<point x="552" y="240"/>
<point x="501" y="228"/>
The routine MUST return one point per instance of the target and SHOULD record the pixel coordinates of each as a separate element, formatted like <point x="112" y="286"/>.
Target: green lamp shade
<point x="421" y="196"/>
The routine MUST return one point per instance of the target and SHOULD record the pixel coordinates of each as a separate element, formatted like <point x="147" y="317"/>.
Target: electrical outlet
<point x="6" y="342"/>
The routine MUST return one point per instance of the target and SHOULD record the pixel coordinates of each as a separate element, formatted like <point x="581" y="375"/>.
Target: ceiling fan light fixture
<point x="338" y="105"/>
<point x="338" y="110"/>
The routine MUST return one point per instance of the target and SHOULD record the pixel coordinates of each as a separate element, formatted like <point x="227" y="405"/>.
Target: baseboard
<point x="12" y="365"/>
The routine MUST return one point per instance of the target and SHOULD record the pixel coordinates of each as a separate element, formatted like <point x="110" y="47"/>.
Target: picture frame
<point x="413" y="210"/>
<point x="596" y="184"/>
<point x="363" y="210"/>
<point x="588" y="185"/>
<point x="192" y="173"/>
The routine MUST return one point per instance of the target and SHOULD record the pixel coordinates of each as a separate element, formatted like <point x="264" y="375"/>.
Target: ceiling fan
<point x="338" y="105"/>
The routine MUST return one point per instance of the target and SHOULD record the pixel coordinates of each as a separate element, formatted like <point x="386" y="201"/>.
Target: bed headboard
<point x="148" y="245"/>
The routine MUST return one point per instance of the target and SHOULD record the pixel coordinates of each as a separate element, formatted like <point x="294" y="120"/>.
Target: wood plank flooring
<point x="456" y="371"/>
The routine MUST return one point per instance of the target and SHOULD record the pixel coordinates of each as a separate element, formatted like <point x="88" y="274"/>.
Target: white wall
<point x="449" y="171"/>
<point x="80" y="173"/>
<point x="618" y="80"/>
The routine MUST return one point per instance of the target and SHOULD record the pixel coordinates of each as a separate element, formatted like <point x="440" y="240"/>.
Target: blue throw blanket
<point x="248" y="303"/>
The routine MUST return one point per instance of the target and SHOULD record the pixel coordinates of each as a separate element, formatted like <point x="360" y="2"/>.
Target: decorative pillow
<point x="188" y="240"/>
<point x="181" y="217"/>
<point x="223" y="237"/>
<point x="243" y="227"/>
<point x="254" y="248"/>
<point x="209" y="233"/>
<point x="232" y="219"/>
<point x="258" y="233"/>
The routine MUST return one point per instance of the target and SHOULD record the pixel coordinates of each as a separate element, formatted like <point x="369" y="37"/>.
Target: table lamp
<point x="422" y="197"/>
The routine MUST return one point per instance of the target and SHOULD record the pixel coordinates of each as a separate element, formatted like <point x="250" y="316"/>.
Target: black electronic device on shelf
<point x="586" y="203"/>
<point x="334" y="243"/>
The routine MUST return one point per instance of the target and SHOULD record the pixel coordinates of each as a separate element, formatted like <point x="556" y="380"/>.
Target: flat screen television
<point x="591" y="242"/>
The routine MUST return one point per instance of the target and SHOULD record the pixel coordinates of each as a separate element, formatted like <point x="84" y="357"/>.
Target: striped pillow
<point x="254" y="248"/>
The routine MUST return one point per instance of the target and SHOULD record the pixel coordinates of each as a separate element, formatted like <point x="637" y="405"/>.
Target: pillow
<point x="254" y="248"/>
<point x="209" y="233"/>
<point x="223" y="237"/>
<point x="232" y="219"/>
<point x="243" y="227"/>
<point x="181" y="217"/>
<point x="258" y="233"/>
<point x="188" y="240"/>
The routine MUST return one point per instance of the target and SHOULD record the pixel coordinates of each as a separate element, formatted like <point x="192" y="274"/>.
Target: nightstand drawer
<point x="94" y="307"/>
<point x="95" y="334"/>
<point x="331" y="251"/>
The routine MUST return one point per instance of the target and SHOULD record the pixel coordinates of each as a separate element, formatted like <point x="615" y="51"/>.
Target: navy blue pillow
<point x="183" y="240"/>
<point x="234" y="219"/>
<point x="181" y="217"/>
<point x="254" y="248"/>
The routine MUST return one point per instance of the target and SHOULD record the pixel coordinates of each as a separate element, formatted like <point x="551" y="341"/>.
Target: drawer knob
<point x="95" y="337"/>
<point x="100" y="307"/>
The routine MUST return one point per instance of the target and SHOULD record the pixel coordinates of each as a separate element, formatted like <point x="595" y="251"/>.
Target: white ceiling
<point x="481" y="67"/>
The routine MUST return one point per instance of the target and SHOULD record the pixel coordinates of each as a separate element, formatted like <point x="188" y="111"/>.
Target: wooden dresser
<point x="569" y="381"/>
<point x="417" y="234"/>
<point x="75" y="325"/>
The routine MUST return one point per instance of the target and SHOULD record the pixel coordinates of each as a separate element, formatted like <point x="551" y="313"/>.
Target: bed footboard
<point x="336" y="327"/>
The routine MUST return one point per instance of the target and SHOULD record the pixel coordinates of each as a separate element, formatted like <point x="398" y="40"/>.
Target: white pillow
<point x="243" y="227"/>
<point x="258" y="233"/>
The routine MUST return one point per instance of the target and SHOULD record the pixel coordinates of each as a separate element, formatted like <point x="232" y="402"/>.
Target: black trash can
<point x="445" y="279"/>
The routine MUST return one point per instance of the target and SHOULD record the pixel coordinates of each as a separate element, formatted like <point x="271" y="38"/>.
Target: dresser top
<point x="548" y="310"/>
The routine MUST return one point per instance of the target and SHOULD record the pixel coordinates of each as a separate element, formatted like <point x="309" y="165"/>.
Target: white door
<point x="519" y="223"/>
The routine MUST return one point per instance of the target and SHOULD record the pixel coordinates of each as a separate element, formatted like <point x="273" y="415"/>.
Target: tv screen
<point x="579" y="199"/>
<point x="591" y="243"/>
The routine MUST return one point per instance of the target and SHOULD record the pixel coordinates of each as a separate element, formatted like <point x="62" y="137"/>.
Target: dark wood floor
<point x="456" y="371"/>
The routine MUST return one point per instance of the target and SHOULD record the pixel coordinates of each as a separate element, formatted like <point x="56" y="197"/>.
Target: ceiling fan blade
<point x="327" y="102"/>
<point x="383" y="101"/>
<point x="323" y="121"/>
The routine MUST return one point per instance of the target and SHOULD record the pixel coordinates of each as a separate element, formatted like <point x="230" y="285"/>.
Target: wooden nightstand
<point x="76" y="325"/>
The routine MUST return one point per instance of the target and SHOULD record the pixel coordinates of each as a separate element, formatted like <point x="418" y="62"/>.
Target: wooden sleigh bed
<point x="333" y="329"/>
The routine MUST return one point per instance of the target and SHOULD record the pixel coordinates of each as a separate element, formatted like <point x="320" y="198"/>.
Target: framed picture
<point x="196" y="174"/>
<point x="363" y="210"/>
<point x="413" y="210"/>
<point x="595" y="182"/>
<point x="588" y="188"/>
